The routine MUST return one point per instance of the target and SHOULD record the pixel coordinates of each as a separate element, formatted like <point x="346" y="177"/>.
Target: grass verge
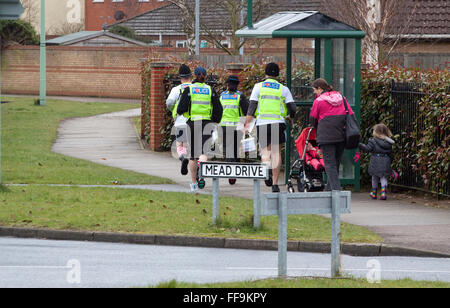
<point x="28" y="132"/>
<point x="310" y="283"/>
<point x="150" y="212"/>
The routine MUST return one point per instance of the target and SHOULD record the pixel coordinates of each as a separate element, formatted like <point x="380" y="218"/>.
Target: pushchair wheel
<point x="300" y="186"/>
<point x="291" y="189"/>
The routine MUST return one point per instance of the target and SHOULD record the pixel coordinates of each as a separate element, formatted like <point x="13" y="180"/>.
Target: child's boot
<point x="383" y="193"/>
<point x="373" y="193"/>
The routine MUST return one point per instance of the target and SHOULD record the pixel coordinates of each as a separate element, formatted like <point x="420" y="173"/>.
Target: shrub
<point x="17" y="31"/>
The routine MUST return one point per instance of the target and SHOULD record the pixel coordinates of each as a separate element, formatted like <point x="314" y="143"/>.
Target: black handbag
<point x="352" y="131"/>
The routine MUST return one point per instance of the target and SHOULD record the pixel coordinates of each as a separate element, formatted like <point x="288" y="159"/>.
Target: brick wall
<point x="74" y="71"/>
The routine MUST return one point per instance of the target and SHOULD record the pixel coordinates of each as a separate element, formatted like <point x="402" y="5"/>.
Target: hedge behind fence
<point x="422" y="137"/>
<point x="414" y="104"/>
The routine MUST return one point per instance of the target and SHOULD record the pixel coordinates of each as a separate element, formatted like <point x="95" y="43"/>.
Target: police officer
<point x="235" y="105"/>
<point x="185" y="74"/>
<point x="200" y="104"/>
<point x="271" y="103"/>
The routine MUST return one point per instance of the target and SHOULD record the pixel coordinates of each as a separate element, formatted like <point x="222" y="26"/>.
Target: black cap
<point x="233" y="79"/>
<point x="272" y="69"/>
<point x="184" y="71"/>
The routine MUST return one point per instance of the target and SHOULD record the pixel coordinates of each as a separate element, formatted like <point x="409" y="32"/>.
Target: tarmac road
<point x="26" y="263"/>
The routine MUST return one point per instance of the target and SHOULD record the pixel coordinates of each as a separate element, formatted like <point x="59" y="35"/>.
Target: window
<point x="224" y="43"/>
<point x="181" y="44"/>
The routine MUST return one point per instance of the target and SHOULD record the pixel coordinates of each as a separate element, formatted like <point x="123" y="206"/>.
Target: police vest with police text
<point x="201" y="106"/>
<point x="271" y="104"/>
<point x="231" y="109"/>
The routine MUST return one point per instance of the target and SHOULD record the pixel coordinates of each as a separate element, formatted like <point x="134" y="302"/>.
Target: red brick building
<point x="99" y="12"/>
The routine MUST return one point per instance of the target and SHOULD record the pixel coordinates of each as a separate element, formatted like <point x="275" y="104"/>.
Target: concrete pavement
<point x="111" y="140"/>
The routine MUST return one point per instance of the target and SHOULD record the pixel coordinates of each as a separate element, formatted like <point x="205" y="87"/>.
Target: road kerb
<point x="353" y="249"/>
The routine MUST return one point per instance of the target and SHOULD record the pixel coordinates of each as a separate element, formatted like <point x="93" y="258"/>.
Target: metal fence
<point x="408" y="121"/>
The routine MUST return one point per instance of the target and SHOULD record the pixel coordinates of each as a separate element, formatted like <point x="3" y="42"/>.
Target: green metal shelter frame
<point x="337" y="59"/>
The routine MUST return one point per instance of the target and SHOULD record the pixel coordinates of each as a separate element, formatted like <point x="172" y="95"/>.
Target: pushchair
<point x="308" y="178"/>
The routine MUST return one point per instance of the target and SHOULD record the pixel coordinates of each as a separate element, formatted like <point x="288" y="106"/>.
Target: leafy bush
<point x="17" y="31"/>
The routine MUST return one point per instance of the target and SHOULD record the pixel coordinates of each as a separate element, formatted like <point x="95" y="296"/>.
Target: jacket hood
<point x="385" y="143"/>
<point x="334" y="98"/>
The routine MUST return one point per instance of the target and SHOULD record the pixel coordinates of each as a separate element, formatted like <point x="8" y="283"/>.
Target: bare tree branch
<point x="375" y="17"/>
<point x="229" y="20"/>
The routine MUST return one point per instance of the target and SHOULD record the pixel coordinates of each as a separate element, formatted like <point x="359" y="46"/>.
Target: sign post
<point x="284" y="204"/>
<point x="217" y="171"/>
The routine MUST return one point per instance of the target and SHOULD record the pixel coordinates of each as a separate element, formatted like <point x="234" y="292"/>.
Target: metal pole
<point x="256" y="204"/>
<point x="287" y="153"/>
<point x="0" y="112"/>
<point x="241" y="50"/>
<point x="282" y="235"/>
<point x="197" y="27"/>
<point x="43" y="62"/>
<point x="357" y="107"/>
<point x="215" y="210"/>
<point x="250" y="14"/>
<point x="335" y="234"/>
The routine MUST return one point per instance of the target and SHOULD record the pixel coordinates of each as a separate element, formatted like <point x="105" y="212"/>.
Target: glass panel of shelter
<point x="337" y="66"/>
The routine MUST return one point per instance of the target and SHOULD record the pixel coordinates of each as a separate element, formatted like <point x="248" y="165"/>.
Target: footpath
<point x="111" y="139"/>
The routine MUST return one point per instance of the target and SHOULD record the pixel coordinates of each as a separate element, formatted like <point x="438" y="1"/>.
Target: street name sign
<point x="234" y="171"/>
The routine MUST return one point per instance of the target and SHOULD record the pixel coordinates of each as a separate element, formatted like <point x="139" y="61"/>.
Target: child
<point x="314" y="157"/>
<point x="380" y="161"/>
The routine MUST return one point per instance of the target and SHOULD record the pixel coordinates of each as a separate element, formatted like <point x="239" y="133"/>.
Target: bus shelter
<point x="337" y="59"/>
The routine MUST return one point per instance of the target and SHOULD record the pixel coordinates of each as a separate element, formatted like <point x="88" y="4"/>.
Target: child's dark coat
<point x="381" y="158"/>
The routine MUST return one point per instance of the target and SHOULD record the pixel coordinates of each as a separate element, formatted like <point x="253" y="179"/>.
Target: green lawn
<point x="150" y="212"/>
<point x="311" y="283"/>
<point x="28" y="132"/>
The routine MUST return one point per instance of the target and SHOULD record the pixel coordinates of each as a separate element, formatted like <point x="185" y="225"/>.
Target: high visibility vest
<point x="271" y="104"/>
<point x="231" y="109"/>
<point x="182" y="87"/>
<point x="201" y="106"/>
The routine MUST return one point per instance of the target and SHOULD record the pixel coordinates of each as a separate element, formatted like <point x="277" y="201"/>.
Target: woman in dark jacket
<point x="380" y="146"/>
<point x="328" y="118"/>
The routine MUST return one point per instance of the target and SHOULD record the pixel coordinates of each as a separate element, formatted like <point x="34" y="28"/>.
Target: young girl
<point x="380" y="146"/>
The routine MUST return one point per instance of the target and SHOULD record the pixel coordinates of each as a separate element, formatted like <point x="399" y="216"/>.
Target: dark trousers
<point x="332" y="154"/>
<point x="231" y="140"/>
